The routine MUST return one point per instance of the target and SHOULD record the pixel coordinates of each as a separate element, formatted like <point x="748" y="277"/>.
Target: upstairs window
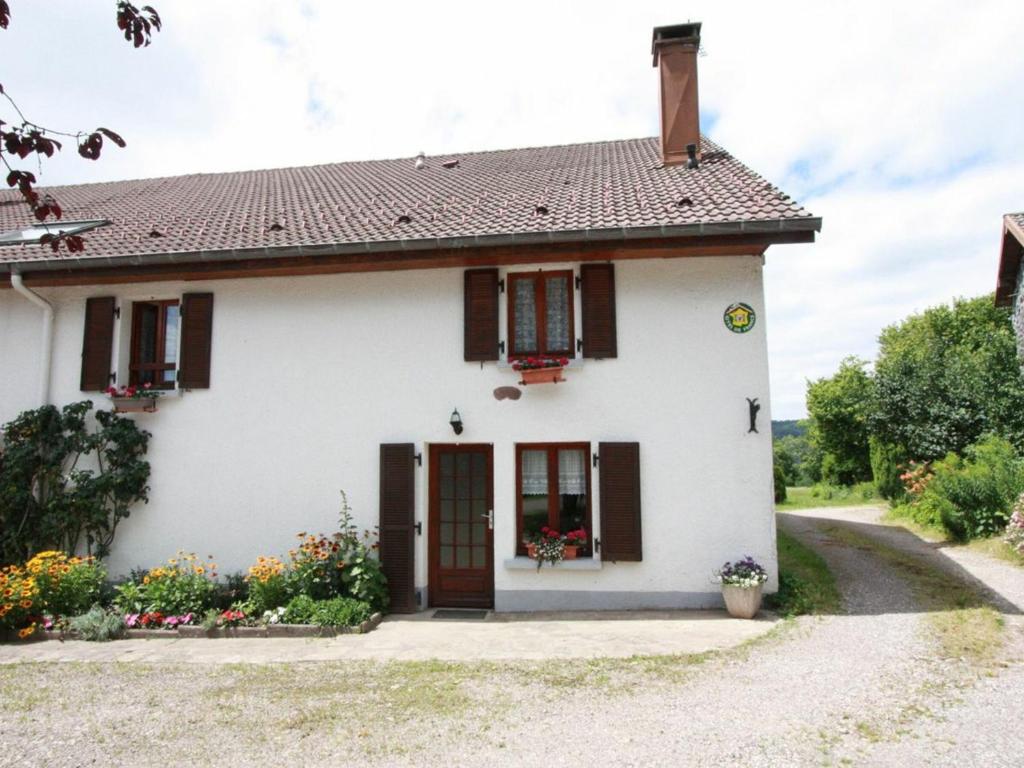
<point x="540" y="314"/>
<point x="154" y="355"/>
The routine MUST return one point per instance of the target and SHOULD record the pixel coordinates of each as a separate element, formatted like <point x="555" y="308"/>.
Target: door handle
<point x="490" y="519"/>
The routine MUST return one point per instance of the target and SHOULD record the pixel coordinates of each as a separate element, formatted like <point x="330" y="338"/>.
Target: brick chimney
<point x="675" y="55"/>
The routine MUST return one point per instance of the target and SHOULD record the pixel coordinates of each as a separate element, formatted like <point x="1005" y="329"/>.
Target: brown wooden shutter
<point x="481" y="314"/>
<point x="97" y="344"/>
<point x="619" y="464"/>
<point x="597" y="284"/>
<point x="196" y="334"/>
<point x="397" y="513"/>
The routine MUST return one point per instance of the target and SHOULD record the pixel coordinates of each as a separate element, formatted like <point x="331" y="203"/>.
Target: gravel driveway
<point x="867" y="687"/>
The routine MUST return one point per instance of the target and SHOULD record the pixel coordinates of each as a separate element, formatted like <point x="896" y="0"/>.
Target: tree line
<point x="945" y="381"/>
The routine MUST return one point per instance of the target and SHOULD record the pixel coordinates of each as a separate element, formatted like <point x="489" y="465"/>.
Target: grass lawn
<point x="806" y="585"/>
<point x="804" y="498"/>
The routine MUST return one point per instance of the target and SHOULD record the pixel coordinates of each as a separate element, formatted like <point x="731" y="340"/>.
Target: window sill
<point x="574" y="362"/>
<point x="522" y="563"/>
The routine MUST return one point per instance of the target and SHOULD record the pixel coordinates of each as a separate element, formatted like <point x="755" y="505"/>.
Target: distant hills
<point x="787" y="427"/>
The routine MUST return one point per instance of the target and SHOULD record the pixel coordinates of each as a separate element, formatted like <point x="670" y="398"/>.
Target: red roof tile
<point x="578" y="190"/>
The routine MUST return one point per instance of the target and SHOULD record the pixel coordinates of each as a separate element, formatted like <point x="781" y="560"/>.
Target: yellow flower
<point x="145" y="579"/>
<point x="25" y="603"/>
<point x="199" y="570"/>
<point x="8" y="592"/>
<point x="23" y="633"/>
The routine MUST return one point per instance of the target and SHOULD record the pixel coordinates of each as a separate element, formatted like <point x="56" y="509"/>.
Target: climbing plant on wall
<point x="66" y="480"/>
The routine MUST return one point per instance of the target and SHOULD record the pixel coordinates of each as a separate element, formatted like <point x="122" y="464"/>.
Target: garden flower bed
<point x="326" y="586"/>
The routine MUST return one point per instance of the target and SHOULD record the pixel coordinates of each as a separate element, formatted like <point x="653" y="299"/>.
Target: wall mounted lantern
<point x="456" y="422"/>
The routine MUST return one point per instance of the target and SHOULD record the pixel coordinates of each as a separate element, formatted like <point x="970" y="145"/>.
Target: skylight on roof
<point x="34" y="233"/>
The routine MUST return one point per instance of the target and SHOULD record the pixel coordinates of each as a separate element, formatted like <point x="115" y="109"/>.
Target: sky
<point x="900" y="124"/>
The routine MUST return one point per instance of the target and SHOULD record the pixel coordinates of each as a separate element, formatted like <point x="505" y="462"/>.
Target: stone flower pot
<point x="742" y="602"/>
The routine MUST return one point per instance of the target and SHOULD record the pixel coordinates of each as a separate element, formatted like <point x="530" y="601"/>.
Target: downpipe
<point x="47" y="307"/>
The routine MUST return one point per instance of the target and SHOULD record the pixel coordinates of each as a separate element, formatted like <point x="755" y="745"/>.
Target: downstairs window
<point x="553" y="489"/>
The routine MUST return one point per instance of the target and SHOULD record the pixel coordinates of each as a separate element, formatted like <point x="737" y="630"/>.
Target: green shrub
<point x="886" y="460"/>
<point x="336" y="612"/>
<point x="341" y="612"/>
<point x="780" y="484"/>
<point x="49" y="497"/>
<point x="972" y="496"/>
<point x="300" y="610"/>
<point x="129" y="597"/>
<point x="98" y="625"/>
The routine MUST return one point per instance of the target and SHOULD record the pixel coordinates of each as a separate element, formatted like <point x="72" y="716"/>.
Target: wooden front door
<point x="461" y="526"/>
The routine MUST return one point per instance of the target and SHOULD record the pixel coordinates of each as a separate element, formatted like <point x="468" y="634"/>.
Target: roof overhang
<point x="711" y="239"/>
<point x="1010" y="258"/>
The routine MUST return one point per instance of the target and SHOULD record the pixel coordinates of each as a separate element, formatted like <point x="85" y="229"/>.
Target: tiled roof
<point x="576" y="188"/>
<point x="1010" y="257"/>
<point x="1016" y="219"/>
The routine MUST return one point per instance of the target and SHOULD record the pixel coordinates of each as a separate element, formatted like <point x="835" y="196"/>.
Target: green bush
<point x="886" y="460"/>
<point x="130" y="597"/>
<point x="780" y="484"/>
<point x="49" y="498"/>
<point x="98" y="625"/>
<point x="341" y="612"/>
<point x="972" y="496"/>
<point x="300" y="610"/>
<point x="336" y="612"/>
<point x="980" y="489"/>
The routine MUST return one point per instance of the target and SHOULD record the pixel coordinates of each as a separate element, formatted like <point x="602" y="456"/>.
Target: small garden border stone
<point x="196" y="631"/>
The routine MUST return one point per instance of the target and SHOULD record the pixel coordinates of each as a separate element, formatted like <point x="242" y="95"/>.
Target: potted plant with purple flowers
<point x="742" y="582"/>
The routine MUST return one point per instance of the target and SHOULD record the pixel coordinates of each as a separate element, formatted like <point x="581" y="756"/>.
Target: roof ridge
<point x="411" y="158"/>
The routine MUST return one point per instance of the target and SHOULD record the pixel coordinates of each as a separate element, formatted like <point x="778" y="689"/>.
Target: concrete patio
<point x="421" y="637"/>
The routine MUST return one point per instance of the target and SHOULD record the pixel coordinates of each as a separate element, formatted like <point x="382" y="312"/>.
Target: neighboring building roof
<point x="605" y="190"/>
<point x="1010" y="258"/>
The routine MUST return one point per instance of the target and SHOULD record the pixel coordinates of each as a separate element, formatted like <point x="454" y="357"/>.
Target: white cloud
<point x="899" y="123"/>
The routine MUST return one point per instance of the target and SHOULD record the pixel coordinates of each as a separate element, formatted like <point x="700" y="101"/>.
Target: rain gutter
<point x="411" y="245"/>
<point x="47" y="307"/>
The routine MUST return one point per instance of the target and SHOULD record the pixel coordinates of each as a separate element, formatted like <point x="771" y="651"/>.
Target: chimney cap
<point x="688" y="34"/>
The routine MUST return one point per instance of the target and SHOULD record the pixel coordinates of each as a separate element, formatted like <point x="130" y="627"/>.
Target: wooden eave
<point x="1010" y="258"/>
<point x="80" y="273"/>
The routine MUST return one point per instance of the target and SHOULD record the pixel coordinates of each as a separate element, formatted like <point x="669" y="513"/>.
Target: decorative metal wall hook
<point x="754" y="408"/>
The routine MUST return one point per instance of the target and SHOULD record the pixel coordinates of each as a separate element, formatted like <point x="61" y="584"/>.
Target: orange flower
<point x="25" y="603"/>
<point x="23" y="633"/>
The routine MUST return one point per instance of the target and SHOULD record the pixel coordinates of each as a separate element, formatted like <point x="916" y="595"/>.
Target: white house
<point x="316" y="328"/>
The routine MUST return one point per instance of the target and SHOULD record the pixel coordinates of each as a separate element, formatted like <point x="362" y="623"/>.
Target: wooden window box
<point x="134" y="404"/>
<point x="541" y="375"/>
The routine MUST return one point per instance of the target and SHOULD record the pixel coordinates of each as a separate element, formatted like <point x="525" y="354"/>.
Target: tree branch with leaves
<point x="26" y="138"/>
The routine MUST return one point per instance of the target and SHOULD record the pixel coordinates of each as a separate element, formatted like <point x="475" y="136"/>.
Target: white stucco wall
<point x="311" y="374"/>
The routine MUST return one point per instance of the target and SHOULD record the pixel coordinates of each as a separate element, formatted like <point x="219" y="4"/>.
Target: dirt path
<point x="866" y="687"/>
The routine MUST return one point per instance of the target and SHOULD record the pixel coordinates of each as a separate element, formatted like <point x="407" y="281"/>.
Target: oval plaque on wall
<point x="739" y="317"/>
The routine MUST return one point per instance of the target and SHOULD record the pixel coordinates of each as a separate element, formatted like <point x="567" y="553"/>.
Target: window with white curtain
<point x="540" y="314"/>
<point x="554" y="489"/>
